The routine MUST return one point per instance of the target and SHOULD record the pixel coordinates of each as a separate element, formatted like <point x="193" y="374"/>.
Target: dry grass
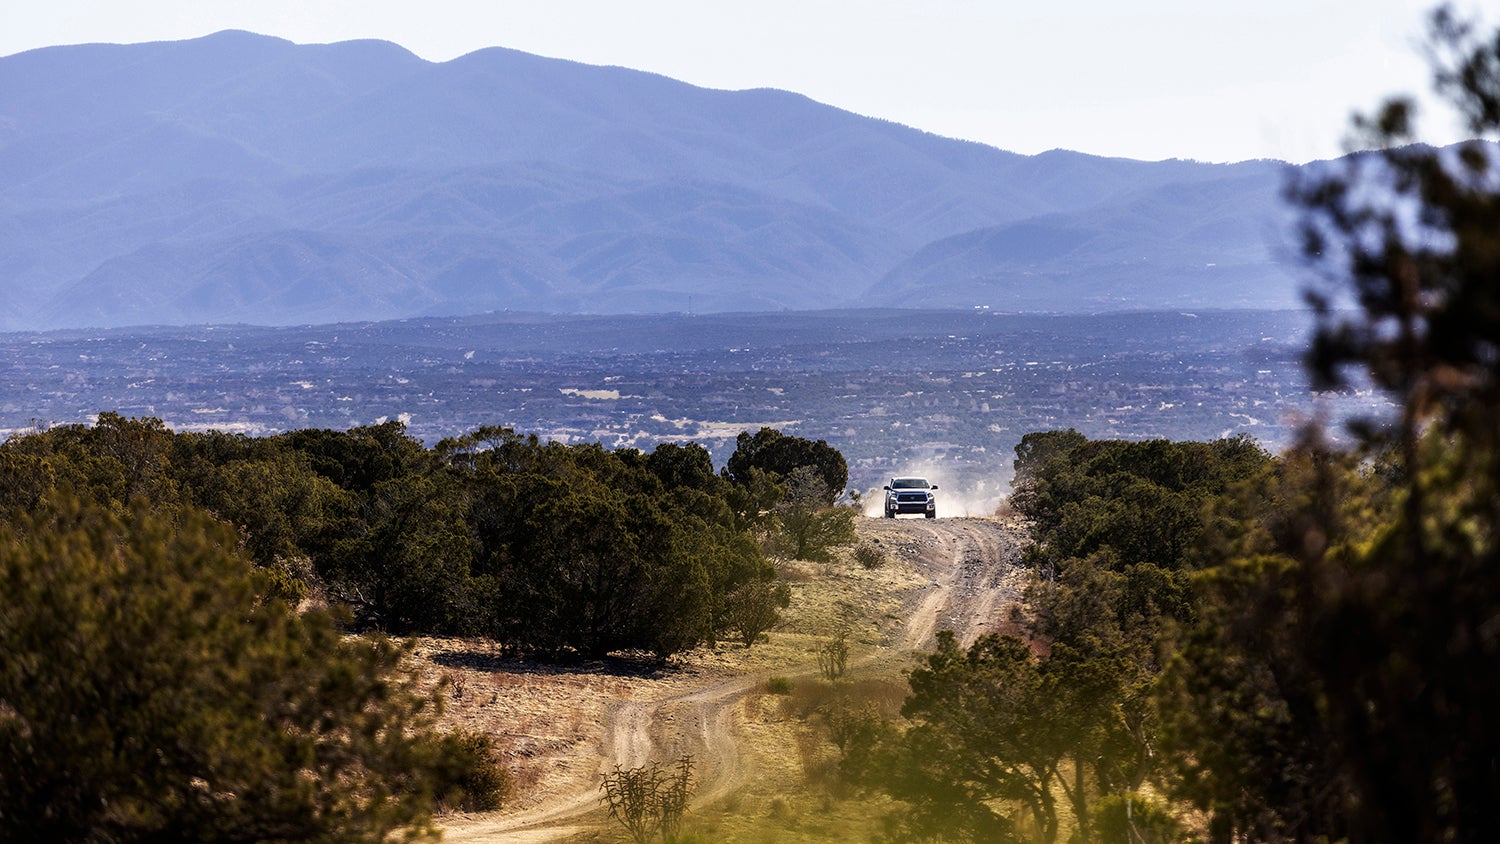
<point x="549" y="720"/>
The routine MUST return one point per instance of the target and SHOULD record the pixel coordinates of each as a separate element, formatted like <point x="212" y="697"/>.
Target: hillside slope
<point x="1167" y="247"/>
<point x="238" y="177"/>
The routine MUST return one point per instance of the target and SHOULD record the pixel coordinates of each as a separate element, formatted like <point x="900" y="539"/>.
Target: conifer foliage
<point x="559" y="551"/>
<point x="151" y="691"/>
<point x="160" y="680"/>
<point x="1373" y="636"/>
<point x="1290" y="649"/>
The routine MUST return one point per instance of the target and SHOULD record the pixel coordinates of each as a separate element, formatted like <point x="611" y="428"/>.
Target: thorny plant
<point x="833" y="657"/>
<point x="649" y="801"/>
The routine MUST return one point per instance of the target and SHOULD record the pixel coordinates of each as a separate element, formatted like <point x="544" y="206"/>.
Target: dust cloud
<point x="980" y="498"/>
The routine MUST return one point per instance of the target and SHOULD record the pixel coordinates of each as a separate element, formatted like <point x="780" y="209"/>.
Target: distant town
<point x="947" y="394"/>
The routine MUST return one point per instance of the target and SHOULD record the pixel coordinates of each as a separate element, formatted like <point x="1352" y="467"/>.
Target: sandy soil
<point x="564" y="727"/>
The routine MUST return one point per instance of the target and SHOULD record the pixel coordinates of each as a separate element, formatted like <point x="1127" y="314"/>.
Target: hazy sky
<point x="1149" y="79"/>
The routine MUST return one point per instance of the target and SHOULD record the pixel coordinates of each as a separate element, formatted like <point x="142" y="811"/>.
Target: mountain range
<point x="244" y="178"/>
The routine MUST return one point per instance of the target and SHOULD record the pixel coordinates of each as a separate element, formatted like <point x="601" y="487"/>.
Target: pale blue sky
<point x="1149" y="79"/>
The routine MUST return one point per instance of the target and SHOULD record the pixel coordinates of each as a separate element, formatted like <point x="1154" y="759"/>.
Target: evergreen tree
<point x="1362" y="667"/>
<point x="150" y="691"/>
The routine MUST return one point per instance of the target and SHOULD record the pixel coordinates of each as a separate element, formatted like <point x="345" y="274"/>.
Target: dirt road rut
<point x="972" y="578"/>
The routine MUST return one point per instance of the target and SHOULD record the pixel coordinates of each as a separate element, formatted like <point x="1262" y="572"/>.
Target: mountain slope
<point x="1208" y="244"/>
<point x="238" y="177"/>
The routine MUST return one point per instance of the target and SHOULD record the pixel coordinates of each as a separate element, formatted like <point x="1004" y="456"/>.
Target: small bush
<point x="755" y="607"/>
<point x="868" y="556"/>
<point x="472" y="778"/>
<point x="778" y="686"/>
<point x="1133" y="819"/>
<point x="284" y="581"/>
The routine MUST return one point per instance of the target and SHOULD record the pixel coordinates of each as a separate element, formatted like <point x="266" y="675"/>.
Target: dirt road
<point x="973" y="568"/>
<point x="970" y="576"/>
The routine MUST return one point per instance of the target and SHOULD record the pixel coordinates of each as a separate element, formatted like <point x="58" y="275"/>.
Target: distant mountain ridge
<point x="243" y="178"/>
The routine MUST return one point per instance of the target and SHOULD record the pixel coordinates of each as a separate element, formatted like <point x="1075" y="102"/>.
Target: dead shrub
<point x="649" y="801"/>
<point x="869" y="556"/>
<point x="812" y="700"/>
<point x="790" y="572"/>
<point x="820" y="766"/>
<point x="833" y="657"/>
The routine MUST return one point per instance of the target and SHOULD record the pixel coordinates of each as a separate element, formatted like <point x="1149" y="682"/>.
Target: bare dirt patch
<point x="562" y="727"/>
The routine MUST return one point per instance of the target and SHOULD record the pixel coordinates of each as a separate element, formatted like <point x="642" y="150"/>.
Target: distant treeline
<point x="550" y="549"/>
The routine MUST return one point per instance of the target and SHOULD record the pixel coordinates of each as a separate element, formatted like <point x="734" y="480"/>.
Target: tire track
<point x="971" y="564"/>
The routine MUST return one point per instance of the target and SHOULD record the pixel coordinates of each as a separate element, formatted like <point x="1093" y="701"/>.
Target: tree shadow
<point x="483" y="656"/>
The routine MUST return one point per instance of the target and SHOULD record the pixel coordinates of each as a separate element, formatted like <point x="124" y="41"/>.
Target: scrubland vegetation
<point x="1224" y="645"/>
<point x="1216" y="643"/>
<point x="176" y="607"/>
<point x="553" y="550"/>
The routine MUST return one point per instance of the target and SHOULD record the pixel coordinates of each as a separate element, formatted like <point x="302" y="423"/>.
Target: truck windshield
<point x="909" y="483"/>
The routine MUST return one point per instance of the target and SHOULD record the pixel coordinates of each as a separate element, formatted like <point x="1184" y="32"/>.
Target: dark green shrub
<point x="1133" y="819"/>
<point x="473" y="778"/>
<point x="150" y="692"/>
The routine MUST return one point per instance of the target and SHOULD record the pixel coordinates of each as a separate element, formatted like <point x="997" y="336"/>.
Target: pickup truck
<point x="910" y="495"/>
